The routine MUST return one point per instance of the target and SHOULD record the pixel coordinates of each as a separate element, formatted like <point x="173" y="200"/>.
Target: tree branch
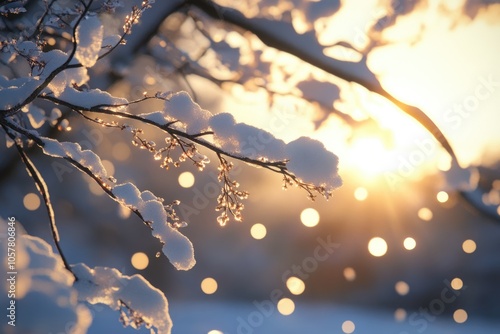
<point x="282" y="36"/>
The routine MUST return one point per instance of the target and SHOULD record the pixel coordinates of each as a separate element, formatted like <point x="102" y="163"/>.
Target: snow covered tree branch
<point x="52" y="64"/>
<point x="63" y="55"/>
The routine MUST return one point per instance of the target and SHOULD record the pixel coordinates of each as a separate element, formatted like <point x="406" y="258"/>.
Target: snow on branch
<point x="176" y="247"/>
<point x="137" y="300"/>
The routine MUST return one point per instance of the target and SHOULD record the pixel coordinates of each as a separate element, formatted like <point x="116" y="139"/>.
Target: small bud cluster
<point x="229" y="201"/>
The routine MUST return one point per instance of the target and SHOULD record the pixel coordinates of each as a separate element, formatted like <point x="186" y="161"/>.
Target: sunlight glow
<point x="442" y="197"/>
<point x="360" y="193"/>
<point x="209" y="285"/>
<point x="31" y="201"/>
<point x="309" y="217"/>
<point x="286" y="306"/>
<point x="258" y="231"/>
<point x="369" y="156"/>
<point x="460" y="316"/>
<point x="295" y="285"/>
<point x="140" y="261"/>
<point x="457" y="283"/>
<point x="402" y="288"/>
<point x="377" y="247"/>
<point x="469" y="246"/>
<point x="215" y="331"/>
<point x="186" y="179"/>
<point x="425" y="214"/>
<point x="348" y="327"/>
<point x="409" y="243"/>
<point x="349" y="274"/>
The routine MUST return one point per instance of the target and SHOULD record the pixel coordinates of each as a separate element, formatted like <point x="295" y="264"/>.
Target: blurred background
<point x="396" y="247"/>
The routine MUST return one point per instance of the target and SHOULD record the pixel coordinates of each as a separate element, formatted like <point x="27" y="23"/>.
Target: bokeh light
<point x="309" y="217"/>
<point x="460" y="316"/>
<point x="400" y="315"/>
<point x="442" y="197"/>
<point x="109" y="166"/>
<point x="402" y="288"/>
<point x="209" y="285"/>
<point x="348" y="327"/>
<point x="377" y="247"/>
<point x="186" y="179"/>
<point x="286" y="306"/>
<point x="121" y="151"/>
<point x="457" y="283"/>
<point x="469" y="246"/>
<point x="349" y="274"/>
<point x="409" y="243"/>
<point x="295" y="285"/>
<point x="258" y="231"/>
<point x="31" y="201"/>
<point x="425" y="214"/>
<point x="360" y="194"/>
<point x="140" y="261"/>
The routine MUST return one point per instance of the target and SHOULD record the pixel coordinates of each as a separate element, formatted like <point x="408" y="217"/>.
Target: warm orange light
<point x="209" y="285"/>
<point x="348" y="327"/>
<point x="409" y="243"/>
<point x="457" y="283"/>
<point x="286" y="306"/>
<point x="140" y="261"/>
<point x="460" y="316"/>
<point x="360" y="194"/>
<point x="377" y="247"/>
<point x="258" y="231"/>
<point x="295" y="285"/>
<point x="349" y="274"/>
<point x="31" y="201"/>
<point x="469" y="246"/>
<point x="309" y="217"/>
<point x="425" y="214"/>
<point x="402" y="288"/>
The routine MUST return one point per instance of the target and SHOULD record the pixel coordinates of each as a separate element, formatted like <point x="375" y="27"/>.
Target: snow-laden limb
<point x="44" y="288"/>
<point x="89" y="36"/>
<point x="138" y="301"/>
<point x="14" y="92"/>
<point x="86" y="158"/>
<point x="310" y="161"/>
<point x="181" y="107"/>
<point x="91" y="98"/>
<point x="176" y="247"/>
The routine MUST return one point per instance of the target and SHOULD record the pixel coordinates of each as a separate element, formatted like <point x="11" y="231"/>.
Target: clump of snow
<point x="181" y="107"/>
<point x="155" y="116"/>
<point x="86" y="158"/>
<point x="176" y="246"/>
<point x="139" y="302"/>
<point x="245" y="139"/>
<point x="90" y="98"/>
<point x="108" y="42"/>
<point x="312" y="162"/>
<point x="43" y="289"/>
<point x="36" y="115"/>
<point x="89" y="35"/>
<point x="309" y="160"/>
<point x="50" y="61"/>
<point x="68" y="77"/>
<point x="14" y="92"/>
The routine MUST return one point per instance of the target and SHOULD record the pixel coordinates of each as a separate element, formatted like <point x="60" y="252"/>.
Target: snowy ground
<point x="244" y="318"/>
